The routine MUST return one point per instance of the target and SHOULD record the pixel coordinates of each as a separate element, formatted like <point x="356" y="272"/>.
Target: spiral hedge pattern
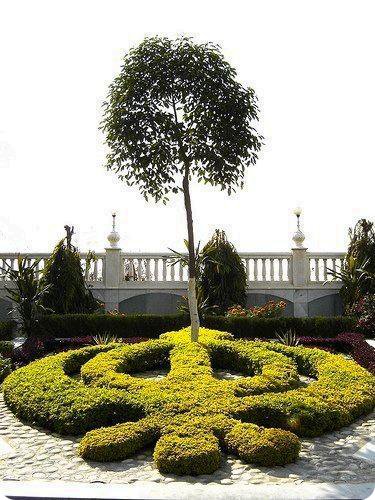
<point x="190" y="415"/>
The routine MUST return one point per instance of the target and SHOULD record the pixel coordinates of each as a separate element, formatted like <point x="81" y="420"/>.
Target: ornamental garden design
<point x="177" y="112"/>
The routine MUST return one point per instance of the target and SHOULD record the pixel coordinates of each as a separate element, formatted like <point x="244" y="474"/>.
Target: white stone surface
<point x="5" y="449"/>
<point x="367" y="452"/>
<point x="186" y="491"/>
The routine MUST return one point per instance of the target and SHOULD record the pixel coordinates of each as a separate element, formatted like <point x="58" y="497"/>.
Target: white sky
<point x="311" y="64"/>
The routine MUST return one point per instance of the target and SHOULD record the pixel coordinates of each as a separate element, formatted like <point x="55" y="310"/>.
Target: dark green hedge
<point x="267" y="328"/>
<point x="134" y="325"/>
<point x="151" y="326"/>
<point x="6" y="329"/>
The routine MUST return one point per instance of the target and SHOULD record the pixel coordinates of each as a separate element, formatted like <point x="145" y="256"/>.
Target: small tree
<point x="176" y="111"/>
<point x="63" y="274"/>
<point x="222" y="281"/>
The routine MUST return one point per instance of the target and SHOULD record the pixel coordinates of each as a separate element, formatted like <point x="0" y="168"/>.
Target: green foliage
<point x="187" y="455"/>
<point x="63" y="274"/>
<point x="252" y="328"/>
<point x="124" y="326"/>
<point x="358" y="272"/>
<point x="6" y="329"/>
<point x="151" y="326"/>
<point x="27" y="293"/>
<point x="6" y="347"/>
<point x="262" y="446"/>
<point x="176" y="102"/>
<point x="190" y="413"/>
<point x="5" y="367"/>
<point x="222" y="278"/>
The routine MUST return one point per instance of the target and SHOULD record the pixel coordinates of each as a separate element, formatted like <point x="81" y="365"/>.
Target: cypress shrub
<point x="222" y="275"/>
<point x="68" y="292"/>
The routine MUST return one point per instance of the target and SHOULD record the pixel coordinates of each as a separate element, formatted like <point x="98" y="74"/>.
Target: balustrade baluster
<point x="247" y="266"/>
<point x="255" y="269"/>
<point x="325" y="275"/>
<point x="164" y="268"/>
<point x="172" y="271"/>
<point x="316" y="269"/>
<point x="156" y="269"/>
<point x="147" y="269"/>
<point x="264" y="277"/>
<point x="272" y="269"/>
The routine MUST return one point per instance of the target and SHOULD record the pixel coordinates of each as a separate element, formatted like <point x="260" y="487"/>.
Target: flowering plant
<point x="115" y="312"/>
<point x="271" y="309"/>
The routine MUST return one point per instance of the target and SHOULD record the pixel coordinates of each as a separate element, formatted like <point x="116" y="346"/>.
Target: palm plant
<point x="27" y="293"/>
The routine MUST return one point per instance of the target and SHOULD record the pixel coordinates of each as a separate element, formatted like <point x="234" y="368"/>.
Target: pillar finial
<point x="298" y="236"/>
<point x="113" y="236"/>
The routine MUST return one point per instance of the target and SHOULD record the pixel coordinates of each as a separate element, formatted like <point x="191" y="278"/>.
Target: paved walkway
<point x="182" y="491"/>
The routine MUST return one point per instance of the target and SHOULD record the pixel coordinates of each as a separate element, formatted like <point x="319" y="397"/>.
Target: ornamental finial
<point x="298" y="236"/>
<point x="113" y="236"/>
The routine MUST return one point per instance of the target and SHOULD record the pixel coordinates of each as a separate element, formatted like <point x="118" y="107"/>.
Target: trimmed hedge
<point x="6" y="329"/>
<point x="252" y="328"/>
<point x="190" y="413"/>
<point x="263" y="446"/>
<point x="151" y="326"/>
<point x="351" y="343"/>
<point x="132" y="325"/>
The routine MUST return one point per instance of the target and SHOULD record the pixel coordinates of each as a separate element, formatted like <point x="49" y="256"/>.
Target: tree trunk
<point x="192" y="296"/>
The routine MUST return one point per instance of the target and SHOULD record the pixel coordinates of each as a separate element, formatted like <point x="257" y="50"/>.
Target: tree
<point x="63" y="274"/>
<point x="176" y="111"/>
<point x="222" y="280"/>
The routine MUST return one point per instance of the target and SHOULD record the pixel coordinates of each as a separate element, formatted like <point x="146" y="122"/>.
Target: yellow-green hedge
<point x="190" y="414"/>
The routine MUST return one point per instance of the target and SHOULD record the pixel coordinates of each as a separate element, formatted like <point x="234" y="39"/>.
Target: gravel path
<point x="35" y="454"/>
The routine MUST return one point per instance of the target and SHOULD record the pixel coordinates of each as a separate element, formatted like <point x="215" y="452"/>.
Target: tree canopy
<point x="176" y="102"/>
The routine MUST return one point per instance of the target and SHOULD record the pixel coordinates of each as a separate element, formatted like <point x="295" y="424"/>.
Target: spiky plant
<point x="27" y="294"/>
<point x="288" y="338"/>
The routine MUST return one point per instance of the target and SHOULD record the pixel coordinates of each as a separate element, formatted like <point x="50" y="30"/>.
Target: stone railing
<point x="114" y="268"/>
<point x="93" y="269"/>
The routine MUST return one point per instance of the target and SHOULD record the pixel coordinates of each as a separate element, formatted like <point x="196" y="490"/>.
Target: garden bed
<point x="189" y="415"/>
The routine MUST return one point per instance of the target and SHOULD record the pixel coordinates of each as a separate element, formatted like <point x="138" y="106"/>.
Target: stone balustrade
<point x="120" y="279"/>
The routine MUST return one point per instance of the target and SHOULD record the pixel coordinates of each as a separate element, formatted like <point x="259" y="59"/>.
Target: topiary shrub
<point x="187" y="455"/>
<point x="190" y="414"/>
<point x="262" y="446"/>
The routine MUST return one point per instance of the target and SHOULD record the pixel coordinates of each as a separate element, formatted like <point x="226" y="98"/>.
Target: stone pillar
<point x="300" y="271"/>
<point x="113" y="271"/>
<point x="300" y="277"/>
